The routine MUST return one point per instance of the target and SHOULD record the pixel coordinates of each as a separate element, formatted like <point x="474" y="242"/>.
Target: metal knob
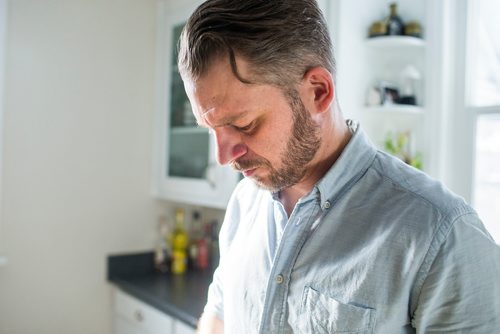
<point x="138" y="316"/>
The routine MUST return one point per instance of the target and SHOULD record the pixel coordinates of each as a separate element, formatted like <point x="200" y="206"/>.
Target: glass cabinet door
<point x="188" y="145"/>
<point x="185" y="168"/>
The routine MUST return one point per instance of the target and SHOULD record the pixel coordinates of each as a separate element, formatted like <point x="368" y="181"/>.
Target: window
<point x="482" y="104"/>
<point x="486" y="197"/>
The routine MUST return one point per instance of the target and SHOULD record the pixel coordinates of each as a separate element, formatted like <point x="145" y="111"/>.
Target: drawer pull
<point x="139" y="316"/>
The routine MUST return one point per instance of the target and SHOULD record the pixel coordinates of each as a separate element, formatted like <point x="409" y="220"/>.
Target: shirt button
<point x="326" y="205"/>
<point x="279" y="279"/>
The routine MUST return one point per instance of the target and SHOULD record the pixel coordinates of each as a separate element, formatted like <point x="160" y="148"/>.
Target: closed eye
<point x="246" y="128"/>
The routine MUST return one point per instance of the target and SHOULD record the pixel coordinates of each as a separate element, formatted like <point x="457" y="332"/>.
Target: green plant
<point x="398" y="145"/>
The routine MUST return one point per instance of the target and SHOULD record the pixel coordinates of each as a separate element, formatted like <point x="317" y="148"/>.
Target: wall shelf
<point x="388" y="42"/>
<point x="395" y="108"/>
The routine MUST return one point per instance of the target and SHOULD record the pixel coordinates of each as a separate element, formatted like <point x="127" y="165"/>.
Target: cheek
<point x="270" y="141"/>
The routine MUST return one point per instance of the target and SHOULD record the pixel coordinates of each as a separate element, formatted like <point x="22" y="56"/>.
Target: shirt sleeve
<point x="215" y="298"/>
<point x="461" y="292"/>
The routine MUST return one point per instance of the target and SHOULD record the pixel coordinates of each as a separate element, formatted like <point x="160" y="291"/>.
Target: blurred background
<point x="98" y="149"/>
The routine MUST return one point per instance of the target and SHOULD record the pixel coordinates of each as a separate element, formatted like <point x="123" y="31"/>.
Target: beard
<point x="300" y="149"/>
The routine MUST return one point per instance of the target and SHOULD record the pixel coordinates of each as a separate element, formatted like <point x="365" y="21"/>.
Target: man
<point x="325" y="234"/>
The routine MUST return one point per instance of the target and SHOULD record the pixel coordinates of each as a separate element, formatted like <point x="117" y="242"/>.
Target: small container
<point x="374" y="97"/>
<point x="413" y="28"/>
<point x="378" y="28"/>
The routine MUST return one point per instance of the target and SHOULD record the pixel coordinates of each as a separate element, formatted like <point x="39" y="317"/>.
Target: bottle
<point x="202" y="261"/>
<point x="395" y="25"/>
<point x="214" y="256"/>
<point x="180" y="242"/>
<point x="160" y="258"/>
<point x="162" y="254"/>
<point x="195" y="235"/>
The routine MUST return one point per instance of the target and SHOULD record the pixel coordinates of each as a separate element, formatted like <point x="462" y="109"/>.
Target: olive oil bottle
<point x="180" y="242"/>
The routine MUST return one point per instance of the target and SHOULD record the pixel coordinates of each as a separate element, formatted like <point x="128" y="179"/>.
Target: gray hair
<point x="280" y="39"/>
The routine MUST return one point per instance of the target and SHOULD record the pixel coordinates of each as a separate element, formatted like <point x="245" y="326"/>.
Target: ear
<point x="318" y="89"/>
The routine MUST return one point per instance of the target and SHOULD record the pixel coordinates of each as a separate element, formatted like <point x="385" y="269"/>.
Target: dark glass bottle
<point x="395" y="25"/>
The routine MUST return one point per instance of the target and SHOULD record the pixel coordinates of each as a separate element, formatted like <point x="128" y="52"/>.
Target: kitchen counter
<point x="181" y="296"/>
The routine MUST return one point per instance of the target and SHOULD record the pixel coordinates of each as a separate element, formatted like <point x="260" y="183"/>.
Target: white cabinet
<point x="185" y="166"/>
<point x="181" y="328"/>
<point x="123" y="326"/>
<point x="131" y="316"/>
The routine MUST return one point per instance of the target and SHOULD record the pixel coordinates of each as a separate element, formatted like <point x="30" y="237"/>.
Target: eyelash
<point x="246" y="128"/>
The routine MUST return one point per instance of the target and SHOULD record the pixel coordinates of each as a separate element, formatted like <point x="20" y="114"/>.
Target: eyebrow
<point x="227" y="120"/>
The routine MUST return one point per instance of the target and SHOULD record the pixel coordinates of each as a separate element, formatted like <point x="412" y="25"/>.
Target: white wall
<point x="77" y="158"/>
<point x="3" y="26"/>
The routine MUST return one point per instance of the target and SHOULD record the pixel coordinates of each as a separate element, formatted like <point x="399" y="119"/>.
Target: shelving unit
<point x="362" y="60"/>
<point x="387" y="58"/>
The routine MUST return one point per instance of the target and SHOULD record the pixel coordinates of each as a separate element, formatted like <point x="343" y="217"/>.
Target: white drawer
<point x="181" y="328"/>
<point x="147" y="318"/>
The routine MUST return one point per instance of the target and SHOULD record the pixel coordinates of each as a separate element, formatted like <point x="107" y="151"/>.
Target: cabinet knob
<point x="138" y="316"/>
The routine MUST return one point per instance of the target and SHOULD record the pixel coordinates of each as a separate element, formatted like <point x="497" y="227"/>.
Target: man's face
<point x="261" y="131"/>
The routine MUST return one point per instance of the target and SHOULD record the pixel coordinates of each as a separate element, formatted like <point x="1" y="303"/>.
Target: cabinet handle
<point x="138" y="316"/>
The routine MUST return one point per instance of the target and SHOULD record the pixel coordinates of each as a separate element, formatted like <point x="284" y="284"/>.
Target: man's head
<point x="280" y="39"/>
<point x="259" y="74"/>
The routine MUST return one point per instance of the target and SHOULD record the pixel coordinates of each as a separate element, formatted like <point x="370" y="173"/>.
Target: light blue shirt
<point x="375" y="247"/>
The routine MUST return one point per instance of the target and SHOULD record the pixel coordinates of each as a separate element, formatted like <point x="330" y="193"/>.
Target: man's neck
<point x="331" y="150"/>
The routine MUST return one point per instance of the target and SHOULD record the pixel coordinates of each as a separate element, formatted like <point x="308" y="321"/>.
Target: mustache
<point x="242" y="165"/>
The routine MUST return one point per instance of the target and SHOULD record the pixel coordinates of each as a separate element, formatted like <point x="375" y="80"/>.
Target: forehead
<point x="219" y="98"/>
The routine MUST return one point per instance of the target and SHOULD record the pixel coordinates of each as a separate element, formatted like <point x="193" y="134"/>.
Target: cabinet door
<point x="122" y="326"/>
<point x="132" y="316"/>
<point x="181" y="328"/>
<point x="185" y="154"/>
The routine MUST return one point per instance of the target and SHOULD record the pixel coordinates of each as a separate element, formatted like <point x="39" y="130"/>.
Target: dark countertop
<point x="181" y="296"/>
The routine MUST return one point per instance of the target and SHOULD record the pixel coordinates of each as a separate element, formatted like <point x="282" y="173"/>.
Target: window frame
<point x="472" y="112"/>
<point x="463" y="118"/>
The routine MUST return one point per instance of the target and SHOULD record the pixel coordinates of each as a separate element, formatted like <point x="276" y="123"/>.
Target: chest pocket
<point x="322" y="314"/>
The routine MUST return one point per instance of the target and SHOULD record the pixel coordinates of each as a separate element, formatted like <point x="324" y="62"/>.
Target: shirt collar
<point x="351" y="164"/>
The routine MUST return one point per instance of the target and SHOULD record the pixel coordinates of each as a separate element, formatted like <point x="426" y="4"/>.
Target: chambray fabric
<point x="375" y="247"/>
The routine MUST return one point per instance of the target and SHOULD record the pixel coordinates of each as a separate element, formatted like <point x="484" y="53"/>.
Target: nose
<point x="229" y="145"/>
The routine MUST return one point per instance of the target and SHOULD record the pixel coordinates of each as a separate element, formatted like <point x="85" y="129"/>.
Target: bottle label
<point x="179" y="262"/>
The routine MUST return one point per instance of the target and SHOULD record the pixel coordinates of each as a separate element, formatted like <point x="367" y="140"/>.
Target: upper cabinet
<point x="185" y="168"/>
